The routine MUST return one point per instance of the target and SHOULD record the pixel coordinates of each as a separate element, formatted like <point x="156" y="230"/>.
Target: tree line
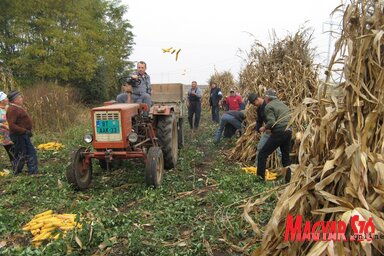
<point x="84" y="43"/>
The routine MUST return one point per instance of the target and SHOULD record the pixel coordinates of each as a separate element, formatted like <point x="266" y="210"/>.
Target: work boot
<point x="288" y="175"/>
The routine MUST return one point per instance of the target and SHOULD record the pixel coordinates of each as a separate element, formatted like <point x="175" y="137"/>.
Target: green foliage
<point x="66" y="42"/>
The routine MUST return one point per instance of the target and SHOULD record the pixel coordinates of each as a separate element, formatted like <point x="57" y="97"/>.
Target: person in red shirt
<point x="234" y="101"/>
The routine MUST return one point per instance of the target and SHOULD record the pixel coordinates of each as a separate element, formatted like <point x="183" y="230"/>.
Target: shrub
<point x="53" y="108"/>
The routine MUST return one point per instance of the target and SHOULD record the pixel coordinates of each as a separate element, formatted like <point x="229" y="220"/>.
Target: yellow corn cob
<point x="57" y="223"/>
<point x="45" y="230"/>
<point x="43" y="218"/>
<point x="67" y="227"/>
<point x="36" y="226"/>
<point x="35" y="232"/>
<point x="41" y="237"/>
<point x="43" y="213"/>
<point x="50" y="220"/>
<point x="56" y="236"/>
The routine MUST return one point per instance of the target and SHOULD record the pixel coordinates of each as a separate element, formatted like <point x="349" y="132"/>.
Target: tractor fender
<point x="159" y="110"/>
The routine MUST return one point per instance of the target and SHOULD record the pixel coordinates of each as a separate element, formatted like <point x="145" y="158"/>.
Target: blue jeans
<point x="24" y="152"/>
<point x="263" y="139"/>
<point x="216" y="114"/>
<point x="142" y="98"/>
<point x="225" y="120"/>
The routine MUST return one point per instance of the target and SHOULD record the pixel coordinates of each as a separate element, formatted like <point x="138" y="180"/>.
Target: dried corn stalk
<point x="286" y="67"/>
<point x="341" y="167"/>
<point x="224" y="80"/>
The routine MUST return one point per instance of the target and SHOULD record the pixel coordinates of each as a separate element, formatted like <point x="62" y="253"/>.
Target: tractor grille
<point x="107" y="126"/>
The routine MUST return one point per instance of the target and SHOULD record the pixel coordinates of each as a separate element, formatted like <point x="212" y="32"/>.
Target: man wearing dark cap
<point x="260" y="104"/>
<point x="277" y="116"/>
<point x="20" y="127"/>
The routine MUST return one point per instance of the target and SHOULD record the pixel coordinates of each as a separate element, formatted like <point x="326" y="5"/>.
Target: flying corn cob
<point x="177" y="54"/>
<point x="167" y="49"/>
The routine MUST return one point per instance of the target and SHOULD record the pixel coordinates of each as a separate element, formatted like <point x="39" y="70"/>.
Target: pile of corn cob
<point x="268" y="174"/>
<point x="47" y="225"/>
<point x="50" y="146"/>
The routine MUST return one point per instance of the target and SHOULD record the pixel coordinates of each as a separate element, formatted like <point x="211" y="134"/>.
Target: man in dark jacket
<point x="277" y="116"/>
<point x="261" y="120"/>
<point x="194" y="105"/>
<point x="230" y="120"/>
<point x="214" y="101"/>
<point x="20" y="127"/>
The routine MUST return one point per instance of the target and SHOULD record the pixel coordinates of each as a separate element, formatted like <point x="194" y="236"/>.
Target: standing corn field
<point x="341" y="168"/>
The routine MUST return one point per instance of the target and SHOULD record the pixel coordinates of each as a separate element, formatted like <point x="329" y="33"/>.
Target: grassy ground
<point x="193" y="213"/>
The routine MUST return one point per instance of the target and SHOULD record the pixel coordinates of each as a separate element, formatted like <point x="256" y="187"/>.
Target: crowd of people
<point x="272" y="120"/>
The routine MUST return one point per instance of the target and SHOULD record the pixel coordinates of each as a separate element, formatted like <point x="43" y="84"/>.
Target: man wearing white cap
<point x="234" y="101"/>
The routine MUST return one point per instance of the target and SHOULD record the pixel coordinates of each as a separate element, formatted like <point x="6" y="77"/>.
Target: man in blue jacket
<point x="214" y="101"/>
<point x="232" y="120"/>
<point x="139" y="85"/>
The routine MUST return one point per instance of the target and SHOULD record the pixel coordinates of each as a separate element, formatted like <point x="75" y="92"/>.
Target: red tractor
<point x="122" y="131"/>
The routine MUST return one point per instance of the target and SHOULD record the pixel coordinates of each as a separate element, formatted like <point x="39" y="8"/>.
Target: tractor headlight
<point x="88" y="138"/>
<point x="133" y="137"/>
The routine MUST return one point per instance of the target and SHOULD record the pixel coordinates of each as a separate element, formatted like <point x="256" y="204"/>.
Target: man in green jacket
<point x="277" y="117"/>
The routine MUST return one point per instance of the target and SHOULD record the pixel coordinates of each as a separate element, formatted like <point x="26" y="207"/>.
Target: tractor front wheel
<point x="154" y="167"/>
<point x="79" y="174"/>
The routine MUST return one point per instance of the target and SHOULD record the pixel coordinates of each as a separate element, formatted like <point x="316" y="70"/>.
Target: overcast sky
<point x="211" y="32"/>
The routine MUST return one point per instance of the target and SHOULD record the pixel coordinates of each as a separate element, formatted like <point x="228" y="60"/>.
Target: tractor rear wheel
<point x="154" y="167"/>
<point x="168" y="139"/>
<point x="79" y="174"/>
<point x="180" y="133"/>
